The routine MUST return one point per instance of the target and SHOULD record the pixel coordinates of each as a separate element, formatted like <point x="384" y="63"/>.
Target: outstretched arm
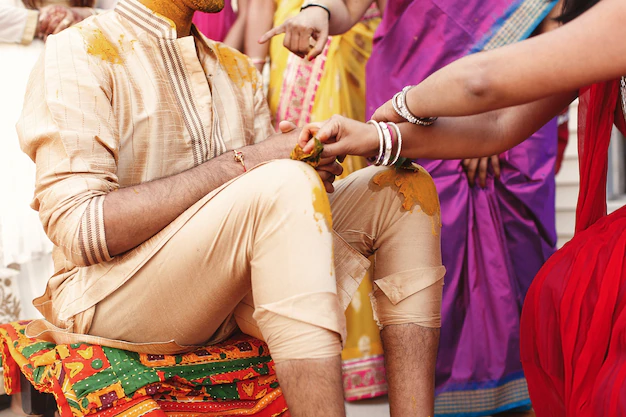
<point x="449" y="138"/>
<point x="587" y="50"/>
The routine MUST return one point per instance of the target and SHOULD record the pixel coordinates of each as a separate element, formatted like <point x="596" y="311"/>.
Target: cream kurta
<point x="119" y="100"/>
<point x="115" y="101"/>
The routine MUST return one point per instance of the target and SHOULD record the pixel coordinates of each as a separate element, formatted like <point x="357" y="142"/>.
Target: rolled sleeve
<point x="67" y="127"/>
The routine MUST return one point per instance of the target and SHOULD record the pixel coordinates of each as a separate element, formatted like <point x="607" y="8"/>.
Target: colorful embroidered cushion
<point x="236" y="377"/>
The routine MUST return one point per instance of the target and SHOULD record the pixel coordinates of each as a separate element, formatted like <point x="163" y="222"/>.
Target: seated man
<point x="171" y="230"/>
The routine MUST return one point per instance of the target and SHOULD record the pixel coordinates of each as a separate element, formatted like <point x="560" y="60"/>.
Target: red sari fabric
<point x="573" y="330"/>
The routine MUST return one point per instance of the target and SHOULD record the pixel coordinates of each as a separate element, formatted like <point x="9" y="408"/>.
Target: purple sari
<point x="494" y="240"/>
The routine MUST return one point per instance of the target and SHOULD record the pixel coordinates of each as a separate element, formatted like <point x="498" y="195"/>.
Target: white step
<point x="569" y="172"/>
<point x="613" y="205"/>
<point x="566" y="196"/>
<point x="562" y="240"/>
<point x="565" y="222"/>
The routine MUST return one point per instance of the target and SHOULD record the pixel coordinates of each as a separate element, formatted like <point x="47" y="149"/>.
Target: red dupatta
<point x="598" y="111"/>
<point x="574" y="316"/>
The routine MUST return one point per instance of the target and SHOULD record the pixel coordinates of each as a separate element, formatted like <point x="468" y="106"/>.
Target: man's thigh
<point x="190" y="287"/>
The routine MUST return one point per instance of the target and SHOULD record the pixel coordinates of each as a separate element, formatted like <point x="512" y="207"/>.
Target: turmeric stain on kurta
<point x="125" y="46"/>
<point x="321" y="206"/>
<point x="417" y="188"/>
<point x="99" y="45"/>
<point x="236" y="64"/>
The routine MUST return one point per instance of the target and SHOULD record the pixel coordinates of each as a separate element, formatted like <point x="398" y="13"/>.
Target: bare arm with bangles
<point x="491" y="101"/>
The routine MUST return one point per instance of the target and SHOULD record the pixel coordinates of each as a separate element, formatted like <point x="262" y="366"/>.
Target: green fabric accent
<point x="28" y="351"/>
<point x="204" y="371"/>
<point x="39" y="373"/>
<point x="125" y="367"/>
<point x="97" y="364"/>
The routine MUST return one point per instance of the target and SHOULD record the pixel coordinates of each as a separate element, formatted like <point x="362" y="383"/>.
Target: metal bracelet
<point x="306" y="6"/>
<point x="388" y="142"/>
<point x="400" y="107"/>
<point x="380" y="142"/>
<point x="399" y="136"/>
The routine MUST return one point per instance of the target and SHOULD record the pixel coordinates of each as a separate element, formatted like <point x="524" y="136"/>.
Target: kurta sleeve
<point x="68" y="128"/>
<point x="17" y="24"/>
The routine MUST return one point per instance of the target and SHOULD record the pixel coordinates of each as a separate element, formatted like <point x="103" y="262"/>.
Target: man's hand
<point x="481" y="164"/>
<point x="305" y="34"/>
<point x="328" y="170"/>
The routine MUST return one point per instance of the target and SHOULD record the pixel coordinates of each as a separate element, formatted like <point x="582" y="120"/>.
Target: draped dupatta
<point x="597" y="114"/>
<point x="574" y="317"/>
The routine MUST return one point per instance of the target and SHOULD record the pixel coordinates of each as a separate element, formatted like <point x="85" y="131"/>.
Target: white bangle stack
<point x="399" y="136"/>
<point x="399" y="105"/>
<point x="388" y="143"/>
<point x="389" y="140"/>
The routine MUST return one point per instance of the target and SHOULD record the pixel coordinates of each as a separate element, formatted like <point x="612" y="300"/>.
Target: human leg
<point x="267" y="233"/>
<point x="408" y="278"/>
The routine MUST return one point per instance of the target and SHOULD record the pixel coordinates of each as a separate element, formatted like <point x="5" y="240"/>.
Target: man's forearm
<point x="134" y="214"/>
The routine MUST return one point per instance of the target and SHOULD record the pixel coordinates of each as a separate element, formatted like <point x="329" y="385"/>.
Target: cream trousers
<point x="260" y="253"/>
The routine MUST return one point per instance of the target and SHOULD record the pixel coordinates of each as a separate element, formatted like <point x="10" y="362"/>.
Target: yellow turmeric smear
<point x="235" y="64"/>
<point x="321" y="205"/>
<point x="124" y="44"/>
<point x="417" y="188"/>
<point x="98" y="45"/>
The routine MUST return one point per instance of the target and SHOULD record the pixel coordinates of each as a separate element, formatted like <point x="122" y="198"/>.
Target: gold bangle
<point x="239" y="158"/>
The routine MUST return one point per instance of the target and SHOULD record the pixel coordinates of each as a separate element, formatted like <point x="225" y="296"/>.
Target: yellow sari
<point x="302" y="92"/>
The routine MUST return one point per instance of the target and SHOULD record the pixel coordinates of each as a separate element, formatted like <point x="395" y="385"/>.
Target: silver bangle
<point x="402" y="109"/>
<point x="399" y="136"/>
<point x="388" y="143"/>
<point x="380" y="141"/>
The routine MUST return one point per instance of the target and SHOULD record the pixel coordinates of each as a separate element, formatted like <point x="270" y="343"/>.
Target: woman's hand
<point x="341" y="136"/>
<point x="386" y="113"/>
<point x="481" y="164"/>
<point x="306" y="33"/>
<point x="55" y="18"/>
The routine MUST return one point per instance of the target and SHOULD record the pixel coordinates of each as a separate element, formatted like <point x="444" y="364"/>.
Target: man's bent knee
<point x="308" y="326"/>
<point x="410" y="297"/>
<point x="285" y="173"/>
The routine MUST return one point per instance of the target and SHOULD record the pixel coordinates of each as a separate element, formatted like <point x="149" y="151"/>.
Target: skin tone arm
<point x="476" y="168"/>
<point x="449" y="138"/>
<point x="313" y="22"/>
<point x="544" y="72"/>
<point x="236" y="35"/>
<point x="260" y="20"/>
<point x="587" y="50"/>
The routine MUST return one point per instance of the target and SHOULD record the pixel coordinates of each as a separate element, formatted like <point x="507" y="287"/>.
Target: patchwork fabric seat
<point x="234" y="378"/>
